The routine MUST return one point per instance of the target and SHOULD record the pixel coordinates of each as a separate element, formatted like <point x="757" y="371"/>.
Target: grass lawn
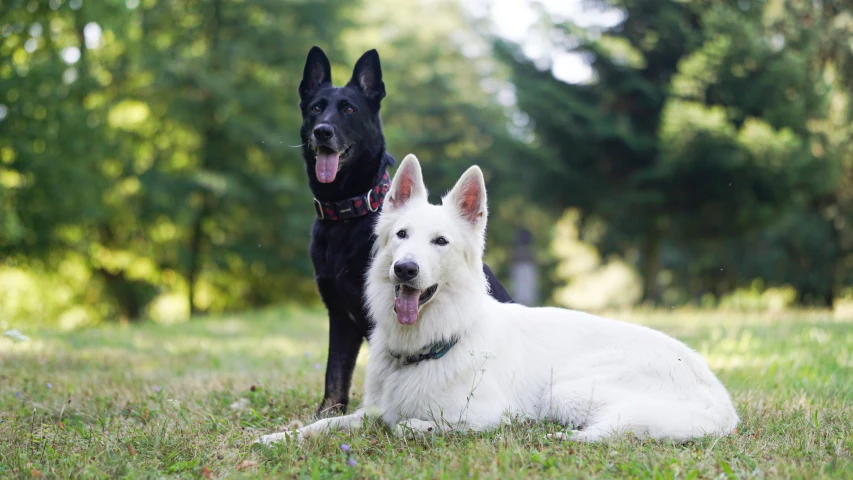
<point x="188" y="400"/>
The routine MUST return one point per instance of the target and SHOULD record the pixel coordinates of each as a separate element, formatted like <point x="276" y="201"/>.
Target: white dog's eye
<point x="440" y="241"/>
<point x="401" y="233"/>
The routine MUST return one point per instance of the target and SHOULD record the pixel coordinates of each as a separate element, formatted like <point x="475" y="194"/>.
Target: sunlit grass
<point x="189" y="398"/>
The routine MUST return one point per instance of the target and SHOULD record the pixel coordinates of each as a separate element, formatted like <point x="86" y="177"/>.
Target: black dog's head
<point x="340" y="124"/>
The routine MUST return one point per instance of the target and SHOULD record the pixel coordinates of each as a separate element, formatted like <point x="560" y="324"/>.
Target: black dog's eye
<point x="440" y="241"/>
<point x="349" y="110"/>
<point x="401" y="234"/>
<point x="316" y="109"/>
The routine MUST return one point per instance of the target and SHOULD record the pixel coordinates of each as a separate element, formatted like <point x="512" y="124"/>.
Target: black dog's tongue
<point x="327" y="166"/>
<point x="407" y="305"/>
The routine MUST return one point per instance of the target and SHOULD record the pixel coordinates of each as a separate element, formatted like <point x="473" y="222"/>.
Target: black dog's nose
<point x="323" y="132"/>
<point x="406" y="271"/>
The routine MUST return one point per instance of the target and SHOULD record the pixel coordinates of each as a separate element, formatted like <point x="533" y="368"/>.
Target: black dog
<point x="344" y="151"/>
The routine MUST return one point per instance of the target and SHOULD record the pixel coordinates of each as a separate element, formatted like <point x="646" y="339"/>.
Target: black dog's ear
<point x="367" y="76"/>
<point x="317" y="72"/>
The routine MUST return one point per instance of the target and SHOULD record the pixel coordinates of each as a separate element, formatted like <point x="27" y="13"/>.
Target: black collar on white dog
<point x="433" y="352"/>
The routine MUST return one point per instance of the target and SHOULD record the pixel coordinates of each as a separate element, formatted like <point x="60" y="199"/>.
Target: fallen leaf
<point x="246" y="464"/>
<point x="241" y="404"/>
<point x="34" y="473"/>
<point x="17" y="336"/>
<point x="131" y="450"/>
<point x="206" y="472"/>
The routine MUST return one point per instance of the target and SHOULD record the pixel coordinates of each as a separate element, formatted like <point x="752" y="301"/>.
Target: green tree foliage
<point x="151" y="141"/>
<point x="53" y="138"/>
<point x="598" y="141"/>
<point x="225" y="178"/>
<point x="146" y="145"/>
<point x="815" y="237"/>
<point x="154" y="144"/>
<point x="697" y="129"/>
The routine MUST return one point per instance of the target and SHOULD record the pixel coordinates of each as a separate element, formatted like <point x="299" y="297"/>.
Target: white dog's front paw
<point x="575" y="436"/>
<point x="285" y="436"/>
<point x="571" y="435"/>
<point x="415" y="428"/>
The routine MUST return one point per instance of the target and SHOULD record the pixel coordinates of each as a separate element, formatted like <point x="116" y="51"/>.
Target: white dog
<point x="446" y="356"/>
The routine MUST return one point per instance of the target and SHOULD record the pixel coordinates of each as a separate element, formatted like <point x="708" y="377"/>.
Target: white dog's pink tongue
<point x="407" y="305"/>
<point x="327" y="166"/>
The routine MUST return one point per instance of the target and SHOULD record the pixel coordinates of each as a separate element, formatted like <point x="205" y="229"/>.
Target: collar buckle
<point x="369" y="205"/>
<point x="319" y="208"/>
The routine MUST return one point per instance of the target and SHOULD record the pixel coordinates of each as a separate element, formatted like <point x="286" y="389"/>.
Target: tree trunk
<point x="129" y="296"/>
<point x="195" y="254"/>
<point x="211" y="136"/>
<point x="650" y="267"/>
<point x="829" y="298"/>
<point x="838" y="270"/>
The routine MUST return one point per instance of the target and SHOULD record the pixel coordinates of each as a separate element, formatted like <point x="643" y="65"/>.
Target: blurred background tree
<point x="699" y="138"/>
<point x="690" y="151"/>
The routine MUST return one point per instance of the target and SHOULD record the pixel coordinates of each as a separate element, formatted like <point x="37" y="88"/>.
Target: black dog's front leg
<point x="344" y="343"/>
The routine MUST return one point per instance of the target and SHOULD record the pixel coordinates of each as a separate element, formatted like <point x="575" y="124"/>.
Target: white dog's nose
<point x="406" y="270"/>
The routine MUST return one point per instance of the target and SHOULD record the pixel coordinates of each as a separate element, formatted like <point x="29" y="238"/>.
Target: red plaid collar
<point x="356" y="206"/>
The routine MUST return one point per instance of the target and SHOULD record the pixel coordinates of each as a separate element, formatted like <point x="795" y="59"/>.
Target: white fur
<point x="600" y="377"/>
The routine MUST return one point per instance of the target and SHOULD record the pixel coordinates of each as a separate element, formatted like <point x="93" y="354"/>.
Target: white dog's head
<point x="427" y="257"/>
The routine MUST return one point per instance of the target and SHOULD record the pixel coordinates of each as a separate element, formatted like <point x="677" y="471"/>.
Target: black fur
<point x="341" y="249"/>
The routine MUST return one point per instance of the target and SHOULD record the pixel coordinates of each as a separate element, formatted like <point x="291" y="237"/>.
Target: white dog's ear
<point x="469" y="197"/>
<point x="408" y="184"/>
